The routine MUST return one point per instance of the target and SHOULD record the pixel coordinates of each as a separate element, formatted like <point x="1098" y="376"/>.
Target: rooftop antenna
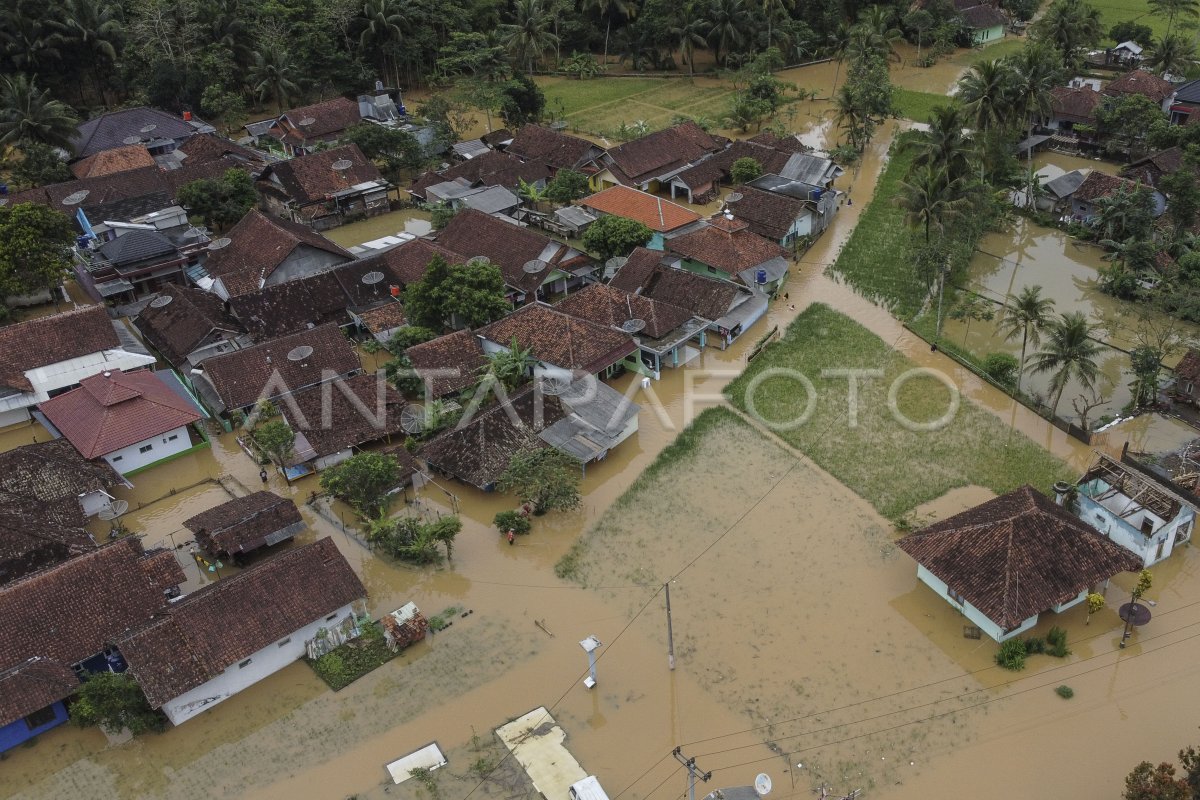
<point x="217" y="244"/>
<point x="590" y="645"/>
<point x="75" y="198"/>
<point x="613" y="264"/>
<point x="534" y="266"/>
<point x="162" y="301"/>
<point x="148" y="128"/>
<point x="762" y="784"/>
<point x="307" y="121"/>
<point x="342" y="164"/>
<point x="373" y="279"/>
<point x="132" y="140"/>
<point x="300" y="353"/>
<point x="412" y="419"/>
<point x="633" y="325"/>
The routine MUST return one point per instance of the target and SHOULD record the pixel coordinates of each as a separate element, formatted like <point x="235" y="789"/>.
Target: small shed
<point x="575" y="219"/>
<point x="246" y="524"/>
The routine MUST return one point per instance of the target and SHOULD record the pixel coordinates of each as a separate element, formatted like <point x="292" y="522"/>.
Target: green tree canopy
<point x="35" y="248"/>
<point x="390" y="148"/>
<point x="220" y="202"/>
<point x="37" y="165"/>
<point x="744" y="170"/>
<point x="115" y="701"/>
<point x="615" y="236"/>
<point x="566" y="186"/>
<point x="468" y="295"/>
<point x="544" y="477"/>
<point x="276" y="441"/>
<point x="1127" y="120"/>
<point x="415" y="540"/>
<point x="363" y="481"/>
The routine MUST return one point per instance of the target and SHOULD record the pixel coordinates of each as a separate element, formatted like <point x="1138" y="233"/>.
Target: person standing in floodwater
<point x="511" y="536"/>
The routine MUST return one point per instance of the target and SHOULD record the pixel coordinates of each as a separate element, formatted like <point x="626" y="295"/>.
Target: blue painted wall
<point x="17" y="732"/>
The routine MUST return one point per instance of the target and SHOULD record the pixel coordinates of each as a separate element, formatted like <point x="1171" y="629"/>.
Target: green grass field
<point x="1114" y="11"/>
<point x="915" y="105"/>
<point x="599" y="106"/>
<point x="890" y="465"/>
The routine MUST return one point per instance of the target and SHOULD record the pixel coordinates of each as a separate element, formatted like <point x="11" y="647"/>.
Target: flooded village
<point x="586" y="460"/>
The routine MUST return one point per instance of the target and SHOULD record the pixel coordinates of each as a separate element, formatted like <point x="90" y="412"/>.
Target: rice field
<point x="600" y="106"/>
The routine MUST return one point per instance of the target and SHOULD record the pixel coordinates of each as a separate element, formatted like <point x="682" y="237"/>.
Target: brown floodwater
<point x="802" y="606"/>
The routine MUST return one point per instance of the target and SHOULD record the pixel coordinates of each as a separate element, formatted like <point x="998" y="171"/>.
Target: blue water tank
<point x="761" y="277"/>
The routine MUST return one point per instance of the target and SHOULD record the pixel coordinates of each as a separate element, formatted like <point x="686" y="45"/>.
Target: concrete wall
<point x="127" y="459"/>
<point x="970" y="612"/>
<point x="235" y="677"/>
<point x="20" y="731"/>
<point x="303" y="261"/>
<point x="1127" y="531"/>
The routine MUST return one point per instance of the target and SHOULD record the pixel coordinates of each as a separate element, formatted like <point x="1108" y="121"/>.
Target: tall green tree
<point x="115" y="701"/>
<point x="220" y="202"/>
<point x="615" y="236"/>
<point x="528" y="36"/>
<point x="729" y="26"/>
<point x="1027" y="314"/>
<point x="364" y="481"/>
<point x="29" y="114"/>
<point x="1176" y="9"/>
<point x="943" y="145"/>
<point x="37" y="165"/>
<point x="470" y="295"/>
<point x="930" y="198"/>
<point x="545" y="478"/>
<point x="381" y="27"/>
<point x="35" y="248"/>
<point x="1174" y="54"/>
<point x="1069" y="353"/>
<point x="687" y="32"/>
<point x="273" y="75"/>
<point x="1071" y="27"/>
<point x="986" y="94"/>
<point x="275" y="440"/>
<point x="608" y="9"/>
<point x="92" y="32"/>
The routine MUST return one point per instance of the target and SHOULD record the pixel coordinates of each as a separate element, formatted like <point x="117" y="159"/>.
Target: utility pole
<point x="670" y="634"/>
<point x="693" y="771"/>
<point x="937" y="333"/>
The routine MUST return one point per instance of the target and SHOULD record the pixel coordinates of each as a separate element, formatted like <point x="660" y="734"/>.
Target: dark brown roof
<point x="385" y="317"/>
<point x="1079" y="104"/>
<point x="406" y="263"/>
<point x="205" y="170"/>
<point x="605" y="305"/>
<point x="507" y="245"/>
<point x="32" y="685"/>
<point x="101" y="190"/>
<point x="233" y="618"/>
<point x="1188" y="367"/>
<point x="294" y="306"/>
<point x="309" y="179"/>
<point x="662" y="151"/>
<point x="1017" y="555"/>
<point x="55" y="475"/>
<point x="479" y="450"/>
<point x="33" y="537"/>
<point x="459" y="355"/>
<point x="240" y="378"/>
<point x="1099" y="184"/>
<point x="644" y="273"/>
<point x="185" y="323"/>
<point x="358" y="410"/>
<point x="258" y="244"/>
<point x="552" y="148"/>
<point x="771" y="154"/>
<point x="982" y="17"/>
<point x="205" y="147"/>
<point x="1151" y="168"/>
<point x="726" y="245"/>
<point x="112" y="128"/>
<point x="246" y="523"/>
<point x="490" y="169"/>
<point x="48" y="340"/>
<point x="329" y="117"/>
<point x="561" y="340"/>
<point x="768" y="214"/>
<point x="1139" y="81"/>
<point x="71" y="611"/>
<point x="109" y="162"/>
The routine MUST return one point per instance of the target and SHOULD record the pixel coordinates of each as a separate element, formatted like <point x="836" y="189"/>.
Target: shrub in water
<point x="1012" y="655"/>
<point x="513" y="521"/>
<point x="1056" y="643"/>
<point x="1065" y="692"/>
<point x="1034" y="645"/>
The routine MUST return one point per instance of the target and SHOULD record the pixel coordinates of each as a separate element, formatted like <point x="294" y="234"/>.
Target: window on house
<point x="172" y="437"/>
<point x="39" y="718"/>
<point x="955" y="596"/>
<point x="285" y="641"/>
<point x="117" y="458"/>
<point x="331" y="618"/>
<point x="245" y="663"/>
<point x="146" y="448"/>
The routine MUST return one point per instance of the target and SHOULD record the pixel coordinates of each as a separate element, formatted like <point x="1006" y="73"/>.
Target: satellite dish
<point x="75" y="198"/>
<point x="616" y="262"/>
<point x="217" y="244"/>
<point x="534" y="267"/>
<point x="342" y="164"/>
<point x="148" y="128"/>
<point x="412" y="419"/>
<point x="762" y="784"/>
<point x="372" y="278"/>
<point x="162" y="301"/>
<point x="307" y="121"/>
<point x="734" y="197"/>
<point x="131" y="140"/>
<point x="554" y="385"/>
<point x="477" y="261"/>
<point x="300" y="353"/>
<point x="633" y="325"/>
<point x="113" y="510"/>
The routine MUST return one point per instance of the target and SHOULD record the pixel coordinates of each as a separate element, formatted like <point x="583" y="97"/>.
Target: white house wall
<point x="127" y="459"/>
<point x="235" y="678"/>
<point x="92" y="502"/>
<point x="65" y="374"/>
<point x="1112" y="525"/>
<point x="971" y="612"/>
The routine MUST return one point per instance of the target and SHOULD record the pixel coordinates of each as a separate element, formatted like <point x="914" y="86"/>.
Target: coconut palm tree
<point x="626" y="9"/>
<point x="986" y="94"/>
<point x="774" y="11"/>
<point x="877" y="33"/>
<point x="1069" y="354"/>
<point x="1175" y="8"/>
<point x="27" y="38"/>
<point x="729" y="25"/>
<point x="944" y="144"/>
<point x="1173" y="54"/>
<point x="1027" y="314"/>
<point x="1034" y="71"/>
<point x="1070" y="26"/>
<point x="272" y="76"/>
<point x="851" y="116"/>
<point x="381" y="26"/>
<point x="528" y="36"/>
<point x="930" y="197"/>
<point x="687" y="33"/>
<point x="92" y="31"/>
<point x="30" y="115"/>
<point x="838" y="48"/>
<point x="226" y="22"/>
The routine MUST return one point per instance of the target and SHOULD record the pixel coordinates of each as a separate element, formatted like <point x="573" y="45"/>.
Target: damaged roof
<point x="246" y="523"/>
<point x="561" y="340"/>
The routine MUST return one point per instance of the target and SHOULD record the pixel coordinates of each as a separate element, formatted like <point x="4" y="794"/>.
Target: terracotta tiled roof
<point x="258" y="245"/>
<point x="291" y="307"/>
<point x="71" y="611"/>
<point x="111" y="129"/>
<point x="561" y="340"/>
<point x="552" y="148"/>
<point x="654" y="212"/>
<point x="179" y="327"/>
<point x="406" y="264"/>
<point x="342" y="404"/>
<point x="116" y="409"/>
<point x="507" y="245"/>
<point x="33" y="685"/>
<point x="107" y="162"/>
<point x="329" y="117"/>
<point x="245" y="523"/>
<point x="230" y="620"/>
<point x="55" y="475"/>
<point x="1150" y="169"/>
<point x="768" y="214"/>
<point x="612" y="307"/>
<point x="490" y="169"/>
<point x="385" y="317"/>
<point x="98" y="190"/>
<point x="1189" y="366"/>
<point x="48" y="340"/>
<point x="311" y="178"/>
<point x="1099" y="184"/>
<point x="1017" y="555"/>
<point x="644" y="273"/>
<point x="1078" y="104"/>
<point x="1139" y="81"/>
<point x="33" y="536"/>
<point x="662" y="151"/>
<point x="205" y="147"/>
<point x="727" y="246"/>
<point x="479" y="450"/>
<point x="459" y="354"/>
<point x="242" y="377"/>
